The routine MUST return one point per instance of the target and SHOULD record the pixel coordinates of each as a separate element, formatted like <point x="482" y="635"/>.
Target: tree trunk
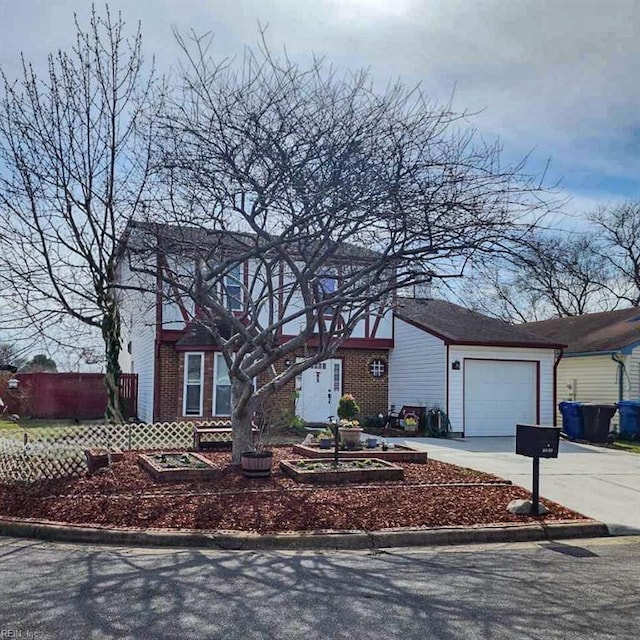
<point x="111" y="337"/>
<point x="241" y="417"/>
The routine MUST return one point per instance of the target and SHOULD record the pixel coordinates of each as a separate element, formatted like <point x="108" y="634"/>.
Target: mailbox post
<point x="535" y="441"/>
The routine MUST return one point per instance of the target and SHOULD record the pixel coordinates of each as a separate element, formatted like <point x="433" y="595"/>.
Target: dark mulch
<point x="431" y="495"/>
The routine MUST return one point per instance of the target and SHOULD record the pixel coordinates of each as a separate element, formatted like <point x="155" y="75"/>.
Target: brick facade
<point x="168" y="384"/>
<point x="371" y="393"/>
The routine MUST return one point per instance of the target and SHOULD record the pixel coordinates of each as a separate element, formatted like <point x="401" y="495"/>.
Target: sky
<point x="557" y="79"/>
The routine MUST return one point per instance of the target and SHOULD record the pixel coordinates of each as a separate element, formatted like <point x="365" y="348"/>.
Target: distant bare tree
<point x="618" y="230"/>
<point x="73" y="169"/>
<point x="545" y="275"/>
<point x="336" y="194"/>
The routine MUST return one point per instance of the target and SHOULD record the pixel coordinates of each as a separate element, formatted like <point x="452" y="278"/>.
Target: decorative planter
<point x="177" y="466"/>
<point x="326" y="443"/>
<point x="372" y="443"/>
<point x="350" y="437"/>
<point x="99" y="458"/>
<point x="256" y="464"/>
<point x="352" y="470"/>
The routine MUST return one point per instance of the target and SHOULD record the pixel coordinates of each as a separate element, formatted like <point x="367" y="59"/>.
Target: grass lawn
<point x="626" y="445"/>
<point x="41" y="428"/>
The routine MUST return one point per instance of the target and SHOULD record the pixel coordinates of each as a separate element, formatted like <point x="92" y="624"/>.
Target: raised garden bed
<point x="353" y="470"/>
<point x="177" y="467"/>
<point x="399" y="453"/>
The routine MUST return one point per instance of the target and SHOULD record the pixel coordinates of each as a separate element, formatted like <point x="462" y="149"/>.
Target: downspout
<point x="555" y="385"/>
<point x="621" y="370"/>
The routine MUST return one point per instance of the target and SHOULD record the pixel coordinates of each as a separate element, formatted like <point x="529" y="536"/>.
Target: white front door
<point x="319" y="389"/>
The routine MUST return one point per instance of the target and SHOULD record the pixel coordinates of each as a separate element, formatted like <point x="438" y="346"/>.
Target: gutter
<point x="621" y="371"/>
<point x="555" y="385"/>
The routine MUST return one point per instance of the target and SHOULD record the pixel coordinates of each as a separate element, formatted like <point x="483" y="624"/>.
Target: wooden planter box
<point x="399" y="453"/>
<point x="99" y="458"/>
<point x="161" y="473"/>
<point x="383" y="471"/>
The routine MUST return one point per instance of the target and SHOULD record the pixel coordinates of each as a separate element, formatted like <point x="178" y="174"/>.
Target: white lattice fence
<point x="59" y="452"/>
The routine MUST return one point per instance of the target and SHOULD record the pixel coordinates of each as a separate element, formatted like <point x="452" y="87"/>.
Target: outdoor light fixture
<point x="287" y="363"/>
<point x="13" y="383"/>
<point x="455" y="365"/>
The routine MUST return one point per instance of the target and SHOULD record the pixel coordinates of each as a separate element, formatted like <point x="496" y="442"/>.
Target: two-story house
<point x="182" y="373"/>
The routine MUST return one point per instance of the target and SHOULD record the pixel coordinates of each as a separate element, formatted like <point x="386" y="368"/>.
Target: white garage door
<point x="497" y="396"/>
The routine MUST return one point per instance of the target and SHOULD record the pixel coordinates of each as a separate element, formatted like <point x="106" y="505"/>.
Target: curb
<point x="338" y="540"/>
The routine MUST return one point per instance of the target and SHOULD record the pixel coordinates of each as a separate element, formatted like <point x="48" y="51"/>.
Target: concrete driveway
<point x="600" y="483"/>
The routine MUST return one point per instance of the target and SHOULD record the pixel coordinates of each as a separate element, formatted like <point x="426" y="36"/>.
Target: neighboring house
<point x="182" y="374"/>
<point x="486" y="374"/>
<point x="601" y="363"/>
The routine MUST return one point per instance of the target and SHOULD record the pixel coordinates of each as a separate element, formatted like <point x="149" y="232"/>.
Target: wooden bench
<point x="219" y="437"/>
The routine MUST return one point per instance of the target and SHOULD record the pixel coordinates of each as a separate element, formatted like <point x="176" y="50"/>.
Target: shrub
<point x="347" y="407"/>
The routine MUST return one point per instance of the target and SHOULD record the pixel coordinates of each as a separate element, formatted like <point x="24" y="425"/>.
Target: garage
<point x="499" y="394"/>
<point x="487" y="375"/>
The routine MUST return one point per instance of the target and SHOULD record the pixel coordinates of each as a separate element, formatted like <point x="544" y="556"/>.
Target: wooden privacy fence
<point x="68" y="395"/>
<point x="59" y="452"/>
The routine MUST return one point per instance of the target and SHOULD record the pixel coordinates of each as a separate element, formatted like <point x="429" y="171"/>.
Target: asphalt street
<point x="571" y="591"/>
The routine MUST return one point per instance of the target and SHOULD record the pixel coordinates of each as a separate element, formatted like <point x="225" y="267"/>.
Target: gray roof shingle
<point x="592" y="332"/>
<point x="458" y="325"/>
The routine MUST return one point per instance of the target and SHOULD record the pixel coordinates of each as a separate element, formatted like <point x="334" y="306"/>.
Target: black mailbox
<point x="535" y="441"/>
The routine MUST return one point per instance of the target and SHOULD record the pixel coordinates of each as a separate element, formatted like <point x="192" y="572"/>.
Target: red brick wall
<point x="371" y="393"/>
<point x="169" y="384"/>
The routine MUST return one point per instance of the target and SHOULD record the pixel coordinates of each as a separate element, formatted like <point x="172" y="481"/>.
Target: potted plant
<point x="257" y="462"/>
<point x="325" y="438"/>
<point x="411" y="423"/>
<point x="349" y="427"/>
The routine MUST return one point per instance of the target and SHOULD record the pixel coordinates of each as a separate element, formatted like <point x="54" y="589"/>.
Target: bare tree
<point x="618" y="230"/>
<point x="326" y="195"/>
<point x="73" y="168"/>
<point x="545" y="275"/>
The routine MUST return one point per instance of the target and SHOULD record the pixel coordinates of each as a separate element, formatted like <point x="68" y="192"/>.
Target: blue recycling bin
<point x="629" y="411"/>
<point x="572" y="420"/>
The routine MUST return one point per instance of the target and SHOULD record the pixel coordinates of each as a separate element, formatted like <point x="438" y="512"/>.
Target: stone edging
<point x="349" y="540"/>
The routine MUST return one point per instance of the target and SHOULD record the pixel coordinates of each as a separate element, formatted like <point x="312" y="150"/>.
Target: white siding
<point x="417" y="368"/>
<point x="138" y="328"/>
<point x="632" y="382"/>
<point x="456" y="377"/>
<point x="143" y="357"/>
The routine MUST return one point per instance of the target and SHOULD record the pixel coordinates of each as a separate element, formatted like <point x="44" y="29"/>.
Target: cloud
<point x="560" y="77"/>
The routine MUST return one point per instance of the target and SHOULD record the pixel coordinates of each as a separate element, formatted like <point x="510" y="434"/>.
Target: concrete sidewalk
<point x="600" y="483"/>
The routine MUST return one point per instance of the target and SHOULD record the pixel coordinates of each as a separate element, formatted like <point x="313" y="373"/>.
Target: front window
<point x="193" y="375"/>
<point x="221" y="387"/>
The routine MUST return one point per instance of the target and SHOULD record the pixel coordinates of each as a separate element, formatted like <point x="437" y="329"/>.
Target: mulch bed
<point x="432" y="495"/>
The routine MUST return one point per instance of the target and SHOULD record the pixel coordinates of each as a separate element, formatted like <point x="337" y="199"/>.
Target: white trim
<point x="184" y="382"/>
<point x="216" y="355"/>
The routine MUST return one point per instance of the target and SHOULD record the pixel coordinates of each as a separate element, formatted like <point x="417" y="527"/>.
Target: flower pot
<point x="326" y="443"/>
<point x="372" y="443"/>
<point x="256" y="464"/>
<point x="350" y="437"/>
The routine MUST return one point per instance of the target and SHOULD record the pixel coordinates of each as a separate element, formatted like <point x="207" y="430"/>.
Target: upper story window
<point x="233" y="289"/>
<point x="228" y="288"/>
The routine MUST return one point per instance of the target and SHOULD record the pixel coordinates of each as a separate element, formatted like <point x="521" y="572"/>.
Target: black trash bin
<point x="597" y="421"/>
